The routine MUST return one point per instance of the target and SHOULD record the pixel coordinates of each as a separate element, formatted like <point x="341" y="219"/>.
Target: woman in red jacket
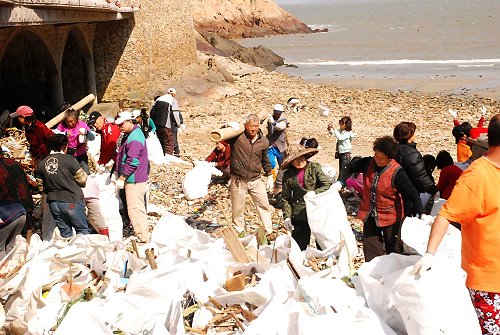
<point x="36" y="132"/>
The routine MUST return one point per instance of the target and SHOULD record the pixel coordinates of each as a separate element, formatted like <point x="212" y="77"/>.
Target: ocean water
<point x="392" y="39"/>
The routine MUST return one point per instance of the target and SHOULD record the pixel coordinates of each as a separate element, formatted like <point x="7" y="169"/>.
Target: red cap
<point x="22" y="111"/>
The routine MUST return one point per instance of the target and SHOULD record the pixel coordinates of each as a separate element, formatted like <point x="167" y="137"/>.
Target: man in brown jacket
<point x="248" y="159"/>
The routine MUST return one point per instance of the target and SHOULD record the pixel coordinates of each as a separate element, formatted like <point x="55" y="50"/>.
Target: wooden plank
<point x="255" y="255"/>
<point x="236" y="283"/>
<point x="234" y="245"/>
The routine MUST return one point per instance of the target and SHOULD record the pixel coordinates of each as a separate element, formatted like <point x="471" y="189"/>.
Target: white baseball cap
<point x="124" y="116"/>
<point x="171" y="90"/>
<point x="278" y="108"/>
<point x="136" y="113"/>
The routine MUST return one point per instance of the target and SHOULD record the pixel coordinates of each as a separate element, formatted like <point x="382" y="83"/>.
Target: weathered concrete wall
<point x="134" y="58"/>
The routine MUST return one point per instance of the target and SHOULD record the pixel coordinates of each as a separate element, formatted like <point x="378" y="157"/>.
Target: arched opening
<point x="73" y="67"/>
<point x="27" y="72"/>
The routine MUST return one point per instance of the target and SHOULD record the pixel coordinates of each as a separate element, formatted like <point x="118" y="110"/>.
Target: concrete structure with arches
<point x="61" y="50"/>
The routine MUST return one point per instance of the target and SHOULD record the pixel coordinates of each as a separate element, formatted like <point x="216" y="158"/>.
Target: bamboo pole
<point x="77" y="106"/>
<point x="227" y="133"/>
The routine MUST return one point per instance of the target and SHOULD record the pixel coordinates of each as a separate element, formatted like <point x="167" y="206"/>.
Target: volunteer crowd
<point x="396" y="182"/>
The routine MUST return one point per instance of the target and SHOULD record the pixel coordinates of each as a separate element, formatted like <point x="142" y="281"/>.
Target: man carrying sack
<point x="248" y="158"/>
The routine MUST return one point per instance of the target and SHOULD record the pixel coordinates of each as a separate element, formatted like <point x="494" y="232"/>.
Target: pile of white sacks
<point x="132" y="298"/>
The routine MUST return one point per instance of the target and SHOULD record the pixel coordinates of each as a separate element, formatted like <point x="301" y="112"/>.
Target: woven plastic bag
<point x="328" y="221"/>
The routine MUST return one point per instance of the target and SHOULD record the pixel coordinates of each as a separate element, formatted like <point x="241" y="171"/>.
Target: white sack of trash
<point x="88" y="285"/>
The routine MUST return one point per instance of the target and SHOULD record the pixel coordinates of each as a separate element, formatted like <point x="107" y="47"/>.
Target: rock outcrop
<point x="260" y="56"/>
<point x="244" y="18"/>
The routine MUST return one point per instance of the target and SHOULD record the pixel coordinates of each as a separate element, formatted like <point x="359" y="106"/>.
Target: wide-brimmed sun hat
<point x="295" y="151"/>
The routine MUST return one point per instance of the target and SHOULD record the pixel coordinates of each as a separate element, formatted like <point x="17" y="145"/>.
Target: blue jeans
<point x="69" y="215"/>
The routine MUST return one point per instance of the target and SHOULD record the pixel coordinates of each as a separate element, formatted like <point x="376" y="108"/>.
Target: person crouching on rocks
<point x="302" y="177"/>
<point x="221" y="156"/>
<point x="387" y="194"/>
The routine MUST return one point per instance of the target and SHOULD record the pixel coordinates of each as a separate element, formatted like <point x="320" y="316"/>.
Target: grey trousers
<point x="8" y="235"/>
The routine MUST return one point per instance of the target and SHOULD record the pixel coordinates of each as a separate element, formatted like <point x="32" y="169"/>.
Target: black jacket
<point x="412" y="162"/>
<point x="161" y="113"/>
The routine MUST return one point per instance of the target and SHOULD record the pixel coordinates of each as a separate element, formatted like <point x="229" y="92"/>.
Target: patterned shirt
<point x="14" y="186"/>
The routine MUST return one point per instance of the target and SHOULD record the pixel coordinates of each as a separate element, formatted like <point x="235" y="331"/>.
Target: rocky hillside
<point x="244" y="18"/>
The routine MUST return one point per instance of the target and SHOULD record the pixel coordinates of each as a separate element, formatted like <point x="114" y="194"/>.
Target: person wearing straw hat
<point x="302" y="177"/>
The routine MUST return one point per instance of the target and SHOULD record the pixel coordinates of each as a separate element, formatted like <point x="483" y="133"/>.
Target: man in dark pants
<point x="177" y="126"/>
<point x="163" y="118"/>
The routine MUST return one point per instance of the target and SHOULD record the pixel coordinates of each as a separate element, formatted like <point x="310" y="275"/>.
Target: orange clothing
<point x="475" y="204"/>
<point x="463" y="151"/>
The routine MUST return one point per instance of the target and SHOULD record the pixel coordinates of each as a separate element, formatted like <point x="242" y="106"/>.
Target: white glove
<point x="423" y="265"/>
<point x="288" y="224"/>
<point x="483" y="111"/>
<point x="114" y="177"/>
<point x="338" y="186"/>
<point x="234" y="125"/>
<point x="427" y="219"/>
<point x="310" y="194"/>
<point x="101" y="168"/>
<point x="453" y="113"/>
<point x="120" y="184"/>
<point x="270" y="183"/>
<point x="181" y="128"/>
<point x="110" y="164"/>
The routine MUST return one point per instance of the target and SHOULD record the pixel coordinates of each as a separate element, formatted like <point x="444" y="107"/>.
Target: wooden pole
<point x="77" y="106"/>
<point x="151" y="259"/>
<point x="134" y="246"/>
